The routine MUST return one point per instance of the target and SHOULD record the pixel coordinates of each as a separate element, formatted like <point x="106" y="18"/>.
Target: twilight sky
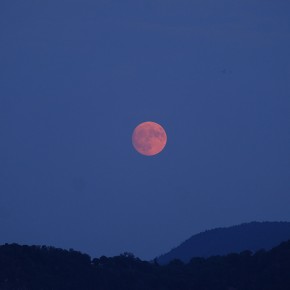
<point x="77" y="76"/>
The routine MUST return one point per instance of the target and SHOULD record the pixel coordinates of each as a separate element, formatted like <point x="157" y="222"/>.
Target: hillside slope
<point x="221" y="241"/>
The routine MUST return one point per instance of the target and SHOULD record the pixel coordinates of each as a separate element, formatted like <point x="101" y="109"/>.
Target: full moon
<point x="149" y="138"/>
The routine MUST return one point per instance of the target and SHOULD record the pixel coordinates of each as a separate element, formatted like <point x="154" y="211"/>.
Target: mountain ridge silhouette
<point x="251" y="236"/>
<point x="44" y="267"/>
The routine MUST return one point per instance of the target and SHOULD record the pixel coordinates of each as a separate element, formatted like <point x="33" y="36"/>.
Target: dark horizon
<point x="23" y="267"/>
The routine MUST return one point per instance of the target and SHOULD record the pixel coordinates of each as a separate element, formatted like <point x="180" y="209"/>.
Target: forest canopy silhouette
<point x="42" y="267"/>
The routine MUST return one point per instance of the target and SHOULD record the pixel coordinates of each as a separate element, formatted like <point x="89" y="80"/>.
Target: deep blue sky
<point x="77" y="76"/>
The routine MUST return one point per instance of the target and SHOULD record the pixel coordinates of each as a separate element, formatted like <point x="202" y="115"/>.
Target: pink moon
<point x="149" y="138"/>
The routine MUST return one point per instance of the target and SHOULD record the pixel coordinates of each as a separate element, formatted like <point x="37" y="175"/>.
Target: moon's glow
<point x="149" y="138"/>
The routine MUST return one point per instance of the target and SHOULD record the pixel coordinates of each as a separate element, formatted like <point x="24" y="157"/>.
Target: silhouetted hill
<point x="47" y="268"/>
<point x="221" y="241"/>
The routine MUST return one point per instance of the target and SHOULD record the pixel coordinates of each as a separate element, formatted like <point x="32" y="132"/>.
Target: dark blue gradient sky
<point x="77" y="76"/>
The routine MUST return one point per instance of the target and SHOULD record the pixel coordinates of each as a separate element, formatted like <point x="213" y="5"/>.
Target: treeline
<point x="47" y="268"/>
